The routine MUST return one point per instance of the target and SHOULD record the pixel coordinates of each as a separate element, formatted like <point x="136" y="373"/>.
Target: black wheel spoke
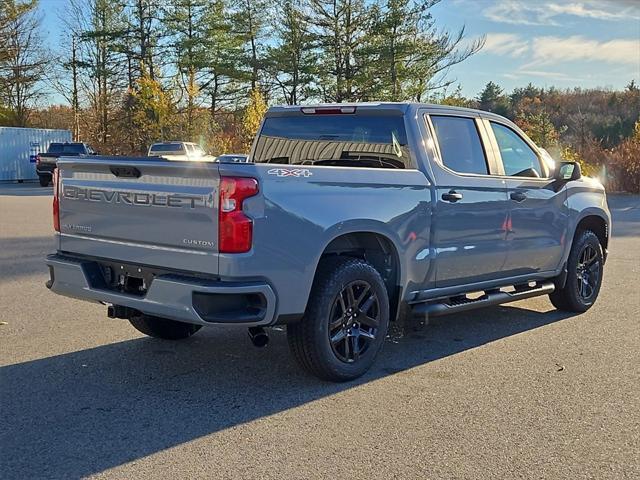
<point x="342" y="304"/>
<point x="370" y="321"/>
<point x="356" y="348"/>
<point x="355" y="318"/>
<point x="338" y="337"/>
<point x="363" y="294"/>
<point x="367" y="335"/>
<point x="368" y="304"/>
<point x="336" y="323"/>
<point x="347" y="348"/>
<point x="351" y="299"/>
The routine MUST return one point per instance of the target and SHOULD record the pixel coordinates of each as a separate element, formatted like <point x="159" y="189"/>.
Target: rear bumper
<point x="45" y="168"/>
<point x="178" y="297"/>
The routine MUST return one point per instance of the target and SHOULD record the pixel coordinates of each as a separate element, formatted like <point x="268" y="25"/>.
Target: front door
<point x="538" y="219"/>
<point x="469" y="218"/>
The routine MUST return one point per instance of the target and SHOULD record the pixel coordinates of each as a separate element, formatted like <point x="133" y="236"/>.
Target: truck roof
<point x="401" y="108"/>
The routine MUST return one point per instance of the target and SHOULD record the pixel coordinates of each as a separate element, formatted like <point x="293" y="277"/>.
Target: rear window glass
<point x="166" y="147"/>
<point x="340" y="140"/>
<point x="66" y="148"/>
<point x="459" y="144"/>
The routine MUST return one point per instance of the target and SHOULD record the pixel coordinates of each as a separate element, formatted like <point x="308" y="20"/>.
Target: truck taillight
<point x="235" y="229"/>
<point x="56" y="200"/>
<point x="38" y="159"/>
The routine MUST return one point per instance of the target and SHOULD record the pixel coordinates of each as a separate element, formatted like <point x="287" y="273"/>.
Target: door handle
<point x="518" y="196"/>
<point x="452" y="196"/>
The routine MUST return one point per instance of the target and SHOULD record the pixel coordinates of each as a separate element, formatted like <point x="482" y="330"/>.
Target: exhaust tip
<point x="259" y="337"/>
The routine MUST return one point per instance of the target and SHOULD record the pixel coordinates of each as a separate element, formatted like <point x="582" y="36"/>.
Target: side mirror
<point x="567" y="172"/>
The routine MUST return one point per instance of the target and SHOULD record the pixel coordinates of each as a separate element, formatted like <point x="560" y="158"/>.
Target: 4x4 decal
<point x="290" y="172"/>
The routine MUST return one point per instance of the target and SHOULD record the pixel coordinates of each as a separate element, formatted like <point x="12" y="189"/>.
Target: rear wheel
<point x="163" y="328"/>
<point x="584" y="275"/>
<point x="345" y="323"/>
<point x="44" y="180"/>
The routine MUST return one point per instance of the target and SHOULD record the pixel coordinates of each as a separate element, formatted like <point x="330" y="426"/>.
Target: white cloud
<point x="554" y="50"/>
<point x="508" y="44"/>
<point x="522" y="12"/>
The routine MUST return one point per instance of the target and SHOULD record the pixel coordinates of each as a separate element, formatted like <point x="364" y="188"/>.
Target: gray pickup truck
<point x="345" y="218"/>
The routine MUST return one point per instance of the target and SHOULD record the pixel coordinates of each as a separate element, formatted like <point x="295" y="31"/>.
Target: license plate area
<point x="127" y="278"/>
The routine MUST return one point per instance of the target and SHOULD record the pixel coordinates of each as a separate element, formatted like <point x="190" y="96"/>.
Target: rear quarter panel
<point x="296" y="217"/>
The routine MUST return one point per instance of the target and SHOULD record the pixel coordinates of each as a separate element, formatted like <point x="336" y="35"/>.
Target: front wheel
<point x="584" y="275"/>
<point x="163" y="328"/>
<point x="345" y="323"/>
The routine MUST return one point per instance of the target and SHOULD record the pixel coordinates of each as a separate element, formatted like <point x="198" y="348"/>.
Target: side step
<point x="461" y="303"/>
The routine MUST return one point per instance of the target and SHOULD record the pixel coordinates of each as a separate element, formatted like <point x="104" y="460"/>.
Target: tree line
<point x="126" y="73"/>
<point x="135" y="71"/>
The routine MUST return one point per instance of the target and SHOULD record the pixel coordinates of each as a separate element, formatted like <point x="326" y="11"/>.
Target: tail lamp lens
<point x="56" y="200"/>
<point x="235" y="229"/>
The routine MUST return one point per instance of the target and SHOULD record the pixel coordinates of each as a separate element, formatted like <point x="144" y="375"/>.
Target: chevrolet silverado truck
<point x="46" y="162"/>
<point x="345" y="218"/>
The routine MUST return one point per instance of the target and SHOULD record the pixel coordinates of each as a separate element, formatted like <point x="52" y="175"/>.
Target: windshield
<point x="340" y="140"/>
<point x="167" y="147"/>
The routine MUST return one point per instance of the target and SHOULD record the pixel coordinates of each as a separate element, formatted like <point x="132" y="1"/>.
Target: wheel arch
<point x="379" y="250"/>
<point x="598" y="224"/>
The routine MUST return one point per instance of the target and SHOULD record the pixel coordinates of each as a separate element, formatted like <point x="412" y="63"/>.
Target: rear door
<point x="471" y="204"/>
<point x="145" y="212"/>
<point x="538" y="218"/>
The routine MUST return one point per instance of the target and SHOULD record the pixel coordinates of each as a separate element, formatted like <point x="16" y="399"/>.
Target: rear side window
<point x="55" y="148"/>
<point x="517" y="156"/>
<point x="378" y="141"/>
<point x="460" y="145"/>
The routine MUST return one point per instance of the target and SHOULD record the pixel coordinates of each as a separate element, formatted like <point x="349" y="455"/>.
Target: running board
<point x="461" y="303"/>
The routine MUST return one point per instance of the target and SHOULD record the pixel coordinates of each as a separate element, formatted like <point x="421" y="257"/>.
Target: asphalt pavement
<point x="518" y="391"/>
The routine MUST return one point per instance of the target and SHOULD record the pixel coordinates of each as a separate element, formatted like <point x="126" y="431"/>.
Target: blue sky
<point x="565" y="43"/>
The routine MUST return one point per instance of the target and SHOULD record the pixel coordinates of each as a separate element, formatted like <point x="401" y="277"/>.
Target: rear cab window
<point x="459" y="144"/>
<point x="167" y="147"/>
<point x="372" y="140"/>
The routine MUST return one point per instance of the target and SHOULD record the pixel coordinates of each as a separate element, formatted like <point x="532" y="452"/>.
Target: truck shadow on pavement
<point x="84" y="412"/>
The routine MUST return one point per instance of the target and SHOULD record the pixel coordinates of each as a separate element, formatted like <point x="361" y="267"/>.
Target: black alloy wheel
<point x="354" y="321"/>
<point x="588" y="273"/>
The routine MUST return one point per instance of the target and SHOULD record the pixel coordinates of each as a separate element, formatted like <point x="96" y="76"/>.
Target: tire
<point x="584" y="275"/>
<point x="357" y="322"/>
<point x="163" y="328"/>
<point x="45" y="180"/>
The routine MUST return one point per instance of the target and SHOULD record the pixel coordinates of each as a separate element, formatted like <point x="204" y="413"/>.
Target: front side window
<point x="460" y="146"/>
<point x="517" y="156"/>
<point x="350" y="140"/>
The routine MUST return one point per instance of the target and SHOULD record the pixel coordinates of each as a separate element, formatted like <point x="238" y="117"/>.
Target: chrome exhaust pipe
<point x="259" y="337"/>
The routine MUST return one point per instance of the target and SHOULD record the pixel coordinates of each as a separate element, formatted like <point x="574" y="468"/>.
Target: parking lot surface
<point x="519" y="391"/>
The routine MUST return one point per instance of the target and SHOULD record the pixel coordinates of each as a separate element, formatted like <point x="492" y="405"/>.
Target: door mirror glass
<point x="567" y="171"/>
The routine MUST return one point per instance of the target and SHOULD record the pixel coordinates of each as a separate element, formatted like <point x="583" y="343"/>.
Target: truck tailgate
<point x="142" y="212"/>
